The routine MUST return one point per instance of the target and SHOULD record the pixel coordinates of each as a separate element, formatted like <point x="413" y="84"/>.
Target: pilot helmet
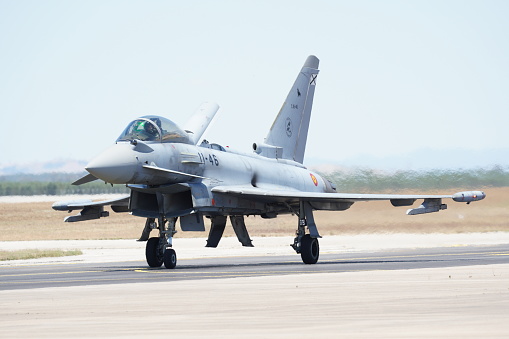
<point x="149" y="127"/>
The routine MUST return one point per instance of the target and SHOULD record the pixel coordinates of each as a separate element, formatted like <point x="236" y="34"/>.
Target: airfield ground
<point x="449" y="302"/>
<point x="25" y="218"/>
<point x="455" y="302"/>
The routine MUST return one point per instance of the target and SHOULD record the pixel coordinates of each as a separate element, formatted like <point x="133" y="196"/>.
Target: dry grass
<point x="37" y="221"/>
<point x="35" y="254"/>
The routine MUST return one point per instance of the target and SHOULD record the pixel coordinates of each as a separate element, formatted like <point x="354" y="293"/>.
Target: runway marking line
<point x="47" y="273"/>
<point x="69" y="281"/>
<point x="10" y="264"/>
<point x="416" y="256"/>
<point x="69" y="272"/>
<point x="233" y="275"/>
<point x="223" y="274"/>
<point x="163" y="271"/>
<point x="145" y="270"/>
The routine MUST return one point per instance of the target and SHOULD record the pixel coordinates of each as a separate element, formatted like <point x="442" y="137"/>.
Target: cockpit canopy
<point x="154" y="128"/>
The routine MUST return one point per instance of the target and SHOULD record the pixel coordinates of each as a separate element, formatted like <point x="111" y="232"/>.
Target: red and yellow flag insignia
<point x="314" y="179"/>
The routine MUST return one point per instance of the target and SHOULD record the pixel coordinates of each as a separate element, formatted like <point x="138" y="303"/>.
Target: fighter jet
<point x="174" y="175"/>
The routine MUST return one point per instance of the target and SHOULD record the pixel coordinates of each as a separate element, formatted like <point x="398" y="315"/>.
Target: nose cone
<point x="116" y="165"/>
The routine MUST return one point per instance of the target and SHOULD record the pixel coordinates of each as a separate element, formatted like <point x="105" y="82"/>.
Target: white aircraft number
<point x="212" y="159"/>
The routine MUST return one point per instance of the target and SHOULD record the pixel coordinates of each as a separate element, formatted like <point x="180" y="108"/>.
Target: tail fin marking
<point x="290" y="128"/>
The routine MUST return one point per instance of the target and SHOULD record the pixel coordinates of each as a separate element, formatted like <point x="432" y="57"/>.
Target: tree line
<point x="369" y="180"/>
<point x="57" y="188"/>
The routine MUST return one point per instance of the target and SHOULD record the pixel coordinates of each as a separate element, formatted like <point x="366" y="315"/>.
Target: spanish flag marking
<point x="314" y="179"/>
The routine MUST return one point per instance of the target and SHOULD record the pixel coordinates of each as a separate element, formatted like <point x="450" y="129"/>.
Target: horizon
<point x="406" y="162"/>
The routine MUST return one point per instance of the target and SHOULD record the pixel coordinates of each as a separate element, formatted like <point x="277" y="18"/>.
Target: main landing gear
<point x="158" y="249"/>
<point x="307" y="244"/>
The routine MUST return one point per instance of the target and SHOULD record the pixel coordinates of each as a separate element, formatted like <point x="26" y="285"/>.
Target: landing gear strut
<point x="307" y="244"/>
<point x="158" y="249"/>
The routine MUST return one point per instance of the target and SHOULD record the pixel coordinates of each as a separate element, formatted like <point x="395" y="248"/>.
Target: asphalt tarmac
<point x="441" y="291"/>
<point x="84" y="274"/>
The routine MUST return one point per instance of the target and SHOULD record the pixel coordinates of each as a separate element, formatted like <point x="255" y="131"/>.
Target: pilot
<point x="150" y="130"/>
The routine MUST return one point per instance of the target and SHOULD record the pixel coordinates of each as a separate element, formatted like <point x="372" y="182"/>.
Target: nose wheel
<point x="170" y="258"/>
<point x="154" y="253"/>
<point x="158" y="250"/>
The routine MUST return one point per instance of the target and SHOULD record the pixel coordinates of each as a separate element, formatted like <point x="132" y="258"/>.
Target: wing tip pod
<point x="469" y="196"/>
<point x="431" y="205"/>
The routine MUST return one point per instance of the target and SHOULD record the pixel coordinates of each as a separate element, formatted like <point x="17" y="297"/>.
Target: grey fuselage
<point x="184" y="176"/>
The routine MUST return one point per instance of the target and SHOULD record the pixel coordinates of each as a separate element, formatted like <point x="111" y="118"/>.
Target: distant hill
<point x="53" y="166"/>
<point x="424" y="159"/>
<point x="43" y="177"/>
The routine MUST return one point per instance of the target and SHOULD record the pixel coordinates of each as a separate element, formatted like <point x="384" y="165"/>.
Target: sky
<point x="397" y="78"/>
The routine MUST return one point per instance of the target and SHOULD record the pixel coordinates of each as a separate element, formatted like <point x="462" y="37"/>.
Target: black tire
<point x="153" y="253"/>
<point x="170" y="258"/>
<point x="309" y="249"/>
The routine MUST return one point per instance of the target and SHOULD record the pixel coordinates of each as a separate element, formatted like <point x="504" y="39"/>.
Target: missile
<point x="428" y="206"/>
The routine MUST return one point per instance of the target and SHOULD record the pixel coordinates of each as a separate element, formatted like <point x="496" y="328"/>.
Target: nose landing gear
<point x="154" y="253"/>
<point x="170" y="258"/>
<point x="158" y="249"/>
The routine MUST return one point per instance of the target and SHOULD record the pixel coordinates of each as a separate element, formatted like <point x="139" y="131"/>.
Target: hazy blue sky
<point x="396" y="76"/>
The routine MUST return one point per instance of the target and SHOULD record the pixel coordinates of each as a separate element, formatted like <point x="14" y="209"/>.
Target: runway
<point x="84" y="274"/>
<point x="376" y="286"/>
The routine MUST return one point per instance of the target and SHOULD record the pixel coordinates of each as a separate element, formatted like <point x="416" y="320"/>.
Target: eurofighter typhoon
<point x="174" y="175"/>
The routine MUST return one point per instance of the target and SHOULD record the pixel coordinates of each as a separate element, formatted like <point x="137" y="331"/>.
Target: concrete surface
<point x="461" y="302"/>
<point x="457" y="302"/>
<point x="126" y="250"/>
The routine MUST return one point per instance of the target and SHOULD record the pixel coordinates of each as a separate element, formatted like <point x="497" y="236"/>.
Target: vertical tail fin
<point x="289" y="131"/>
